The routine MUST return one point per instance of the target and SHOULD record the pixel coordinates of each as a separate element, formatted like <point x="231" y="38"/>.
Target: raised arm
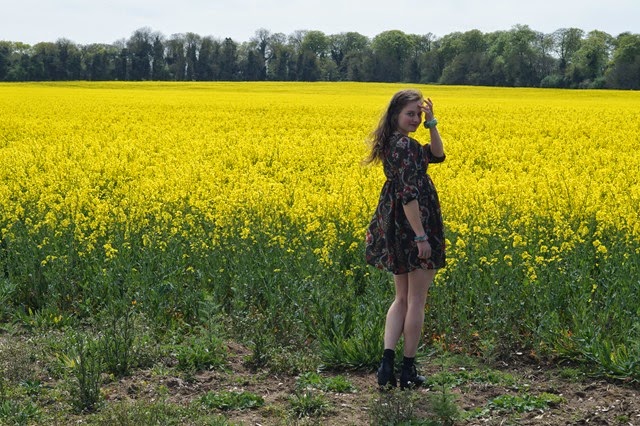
<point x="437" y="147"/>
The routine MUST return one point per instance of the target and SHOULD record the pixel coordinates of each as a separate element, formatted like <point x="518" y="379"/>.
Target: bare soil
<point x="584" y="401"/>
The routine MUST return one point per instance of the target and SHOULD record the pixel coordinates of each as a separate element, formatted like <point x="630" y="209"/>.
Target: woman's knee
<point x="400" y="303"/>
<point x="416" y="307"/>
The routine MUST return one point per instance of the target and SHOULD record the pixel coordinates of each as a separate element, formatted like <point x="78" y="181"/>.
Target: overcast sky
<point x="106" y="21"/>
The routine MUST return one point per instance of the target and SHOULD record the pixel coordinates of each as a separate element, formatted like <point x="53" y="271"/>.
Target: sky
<point x="108" y="21"/>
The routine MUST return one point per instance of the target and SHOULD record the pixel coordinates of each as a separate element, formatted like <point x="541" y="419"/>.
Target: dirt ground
<point x="584" y="401"/>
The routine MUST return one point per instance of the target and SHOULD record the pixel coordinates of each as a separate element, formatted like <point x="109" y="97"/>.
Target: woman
<point x="406" y="235"/>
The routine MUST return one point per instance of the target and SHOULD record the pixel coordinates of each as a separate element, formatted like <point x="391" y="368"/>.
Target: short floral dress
<point x="389" y="236"/>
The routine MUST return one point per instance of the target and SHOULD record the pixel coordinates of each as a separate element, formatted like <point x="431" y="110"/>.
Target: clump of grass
<point x="462" y="377"/>
<point x="230" y="400"/>
<point x="201" y="351"/>
<point x="572" y="374"/>
<point x="312" y="380"/>
<point x="524" y="402"/>
<point x="13" y="412"/>
<point x="290" y="360"/>
<point x="514" y="404"/>
<point x="392" y="408"/>
<point x="308" y="404"/>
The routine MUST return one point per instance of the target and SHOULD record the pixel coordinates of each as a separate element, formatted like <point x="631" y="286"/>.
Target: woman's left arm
<point x="437" y="147"/>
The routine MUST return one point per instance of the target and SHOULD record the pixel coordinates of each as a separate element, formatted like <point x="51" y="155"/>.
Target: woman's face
<point x="410" y="117"/>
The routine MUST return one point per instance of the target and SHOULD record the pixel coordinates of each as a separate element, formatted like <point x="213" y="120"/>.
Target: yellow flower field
<point x="95" y="154"/>
<point x="531" y="175"/>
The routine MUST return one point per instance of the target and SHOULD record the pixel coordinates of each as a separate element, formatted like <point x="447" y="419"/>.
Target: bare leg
<point x="405" y="316"/>
<point x="418" y="287"/>
<point x="397" y="312"/>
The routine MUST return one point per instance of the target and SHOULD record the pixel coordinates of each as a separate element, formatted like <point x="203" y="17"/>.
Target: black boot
<point x="409" y="377"/>
<point x="386" y="374"/>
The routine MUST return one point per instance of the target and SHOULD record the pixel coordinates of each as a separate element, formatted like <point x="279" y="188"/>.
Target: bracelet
<point x="420" y="238"/>
<point x="431" y="123"/>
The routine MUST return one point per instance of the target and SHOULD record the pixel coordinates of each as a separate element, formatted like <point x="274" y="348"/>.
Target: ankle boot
<point x="386" y="374"/>
<point x="409" y="377"/>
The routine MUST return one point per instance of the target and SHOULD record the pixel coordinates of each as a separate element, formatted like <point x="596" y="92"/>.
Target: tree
<point x="544" y="46"/>
<point x="469" y="64"/>
<point x="99" y="62"/>
<point x="521" y="56"/>
<point x="15" y="61"/>
<point x="69" y="60"/>
<point x="313" y="48"/>
<point x="140" y="48"/>
<point x="624" y="72"/>
<point x="250" y="62"/>
<point x="567" y="42"/>
<point x="261" y="43"/>
<point x="315" y="42"/>
<point x="355" y="63"/>
<point x="19" y="70"/>
<point x="430" y="66"/>
<point x="192" y="47"/>
<point x="262" y="38"/>
<point x="45" y="62"/>
<point x="175" y="57"/>
<point x="279" y="58"/>
<point x="159" y="69"/>
<point x="208" y="67"/>
<point x="122" y="61"/>
<point x="421" y="44"/>
<point x="229" y="60"/>
<point x="6" y="58"/>
<point x="497" y="43"/>
<point x="449" y="47"/>
<point x="307" y="66"/>
<point x="591" y="59"/>
<point x="391" y="49"/>
<point x="347" y="51"/>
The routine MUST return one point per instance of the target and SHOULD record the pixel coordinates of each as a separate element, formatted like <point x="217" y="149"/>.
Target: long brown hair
<point x="379" y="138"/>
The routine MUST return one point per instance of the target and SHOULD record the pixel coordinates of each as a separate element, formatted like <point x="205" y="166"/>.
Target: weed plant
<point x="312" y="380"/>
<point x="119" y="335"/>
<point x="85" y="363"/>
<point x="18" y="413"/>
<point x="229" y="400"/>
<point x="308" y="403"/>
<point x="393" y="408"/>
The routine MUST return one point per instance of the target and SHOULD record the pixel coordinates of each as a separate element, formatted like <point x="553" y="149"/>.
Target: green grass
<point x="517" y="404"/>
<point x="229" y="400"/>
<point x="154" y="413"/>
<point x="312" y="380"/>
<point x="308" y="403"/>
<point x="18" y="412"/>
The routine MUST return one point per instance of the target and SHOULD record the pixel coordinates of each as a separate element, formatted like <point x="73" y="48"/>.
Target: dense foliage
<point x="518" y="57"/>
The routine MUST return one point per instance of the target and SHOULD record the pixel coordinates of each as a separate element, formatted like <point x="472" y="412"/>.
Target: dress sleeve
<point x="430" y="157"/>
<point x="404" y="159"/>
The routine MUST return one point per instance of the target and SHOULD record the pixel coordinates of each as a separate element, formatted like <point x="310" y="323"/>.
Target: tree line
<point x="522" y="57"/>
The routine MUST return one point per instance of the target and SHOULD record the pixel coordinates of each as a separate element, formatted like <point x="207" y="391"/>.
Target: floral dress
<point x="389" y="236"/>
